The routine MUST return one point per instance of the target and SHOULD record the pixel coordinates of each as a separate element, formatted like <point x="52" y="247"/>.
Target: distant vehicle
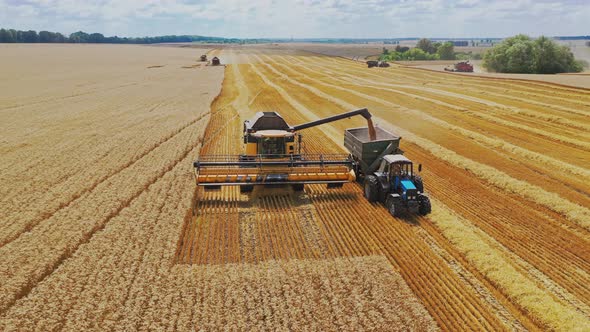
<point x="215" y="61"/>
<point x="374" y="63"/>
<point x="204" y="57"/>
<point x="461" y="67"/>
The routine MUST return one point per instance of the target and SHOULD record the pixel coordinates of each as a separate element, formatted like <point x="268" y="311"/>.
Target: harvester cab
<point x="273" y="156"/>
<point x="268" y="134"/>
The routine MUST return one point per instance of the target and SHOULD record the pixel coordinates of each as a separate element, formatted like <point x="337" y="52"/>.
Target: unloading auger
<point x="273" y="156"/>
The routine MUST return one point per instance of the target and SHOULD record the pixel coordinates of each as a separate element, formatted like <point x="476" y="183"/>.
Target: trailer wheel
<point x="371" y="188"/>
<point x="246" y="189"/>
<point x="298" y="187"/>
<point x="425" y="207"/>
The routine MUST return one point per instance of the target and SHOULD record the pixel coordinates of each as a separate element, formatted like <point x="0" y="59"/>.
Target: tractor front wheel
<point x="419" y="183"/>
<point x="425" y="207"/>
<point x="371" y="188"/>
<point x="394" y="206"/>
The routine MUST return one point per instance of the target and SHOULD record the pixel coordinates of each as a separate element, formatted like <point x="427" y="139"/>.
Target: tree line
<point x="518" y="54"/>
<point x="425" y="50"/>
<point x="31" y="36"/>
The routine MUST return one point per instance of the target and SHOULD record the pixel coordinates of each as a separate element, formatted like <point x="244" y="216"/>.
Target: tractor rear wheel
<point x="425" y="207"/>
<point x="371" y="188"/>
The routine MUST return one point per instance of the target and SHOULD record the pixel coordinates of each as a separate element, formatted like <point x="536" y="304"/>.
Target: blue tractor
<point x="387" y="175"/>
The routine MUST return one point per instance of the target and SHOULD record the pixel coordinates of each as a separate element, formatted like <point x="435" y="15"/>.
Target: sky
<point x="302" y="18"/>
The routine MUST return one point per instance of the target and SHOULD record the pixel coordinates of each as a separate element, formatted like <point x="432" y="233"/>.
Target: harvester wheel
<point x="298" y="187"/>
<point x="425" y="207"/>
<point x="371" y="188"/>
<point x="246" y="189"/>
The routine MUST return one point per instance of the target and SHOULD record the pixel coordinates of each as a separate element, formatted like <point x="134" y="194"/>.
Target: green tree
<point x="5" y="36"/>
<point x="426" y="45"/>
<point x="79" y="37"/>
<point x="446" y="51"/>
<point x="419" y="54"/>
<point x="29" y="37"/>
<point x="521" y="54"/>
<point x="96" y="38"/>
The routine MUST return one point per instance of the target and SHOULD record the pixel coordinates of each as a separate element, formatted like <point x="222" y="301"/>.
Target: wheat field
<point x="97" y="197"/>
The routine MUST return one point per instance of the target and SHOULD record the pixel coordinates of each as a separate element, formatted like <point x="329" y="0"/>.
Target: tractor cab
<point x="399" y="171"/>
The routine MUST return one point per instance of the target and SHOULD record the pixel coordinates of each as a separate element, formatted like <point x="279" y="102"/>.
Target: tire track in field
<point x="82" y="194"/>
<point x="52" y="99"/>
<point x="24" y="287"/>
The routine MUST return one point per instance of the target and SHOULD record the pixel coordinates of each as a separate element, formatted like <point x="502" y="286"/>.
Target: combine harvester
<point x="273" y="157"/>
<point x="461" y="67"/>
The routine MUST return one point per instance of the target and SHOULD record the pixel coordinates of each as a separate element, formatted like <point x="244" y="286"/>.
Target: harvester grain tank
<point x="387" y="175"/>
<point x="273" y="156"/>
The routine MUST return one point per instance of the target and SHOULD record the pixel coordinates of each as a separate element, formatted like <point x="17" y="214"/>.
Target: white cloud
<point x="301" y="18"/>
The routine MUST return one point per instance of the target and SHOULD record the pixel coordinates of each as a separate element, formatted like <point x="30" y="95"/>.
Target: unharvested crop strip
<point x="554" y="314"/>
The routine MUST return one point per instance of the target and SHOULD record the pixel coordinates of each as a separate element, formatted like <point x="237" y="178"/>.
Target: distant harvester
<point x="215" y="61"/>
